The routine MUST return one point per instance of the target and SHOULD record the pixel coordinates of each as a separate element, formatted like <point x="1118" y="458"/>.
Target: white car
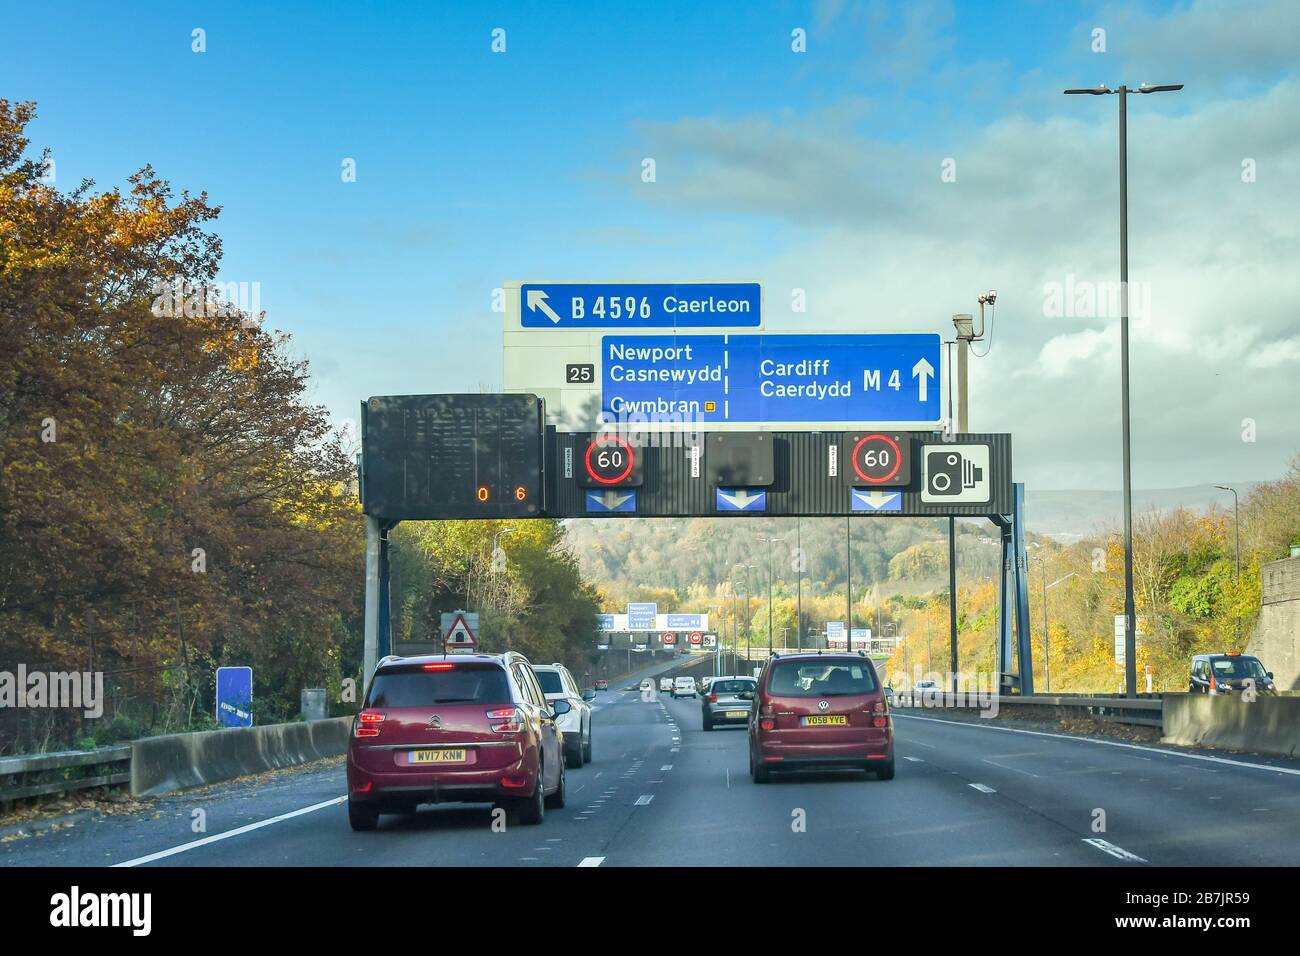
<point x="558" y="684"/>
<point x="684" y="687"/>
<point x="666" y="685"/>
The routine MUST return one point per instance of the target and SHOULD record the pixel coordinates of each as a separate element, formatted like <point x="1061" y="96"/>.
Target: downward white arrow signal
<point x="741" y="499"/>
<point x="537" y="300"/>
<point x="924" y="370"/>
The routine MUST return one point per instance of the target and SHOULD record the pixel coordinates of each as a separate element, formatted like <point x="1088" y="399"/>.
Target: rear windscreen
<point x="550" y="681"/>
<point x="416" y="687"/>
<point x="731" y="686"/>
<point x="820" y="679"/>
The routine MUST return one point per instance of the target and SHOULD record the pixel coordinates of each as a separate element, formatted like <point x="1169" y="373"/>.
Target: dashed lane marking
<point x="1118" y="852"/>
<point x="592" y="861"/>
<point x="983" y="788"/>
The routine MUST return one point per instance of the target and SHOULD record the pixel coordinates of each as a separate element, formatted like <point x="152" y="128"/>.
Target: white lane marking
<point x="645" y="798"/>
<point x="666" y="766"/>
<point x="914" y="759"/>
<point x="1116" y="851"/>
<point x="1005" y="767"/>
<point x="592" y="861"/>
<point x="983" y="788"/>
<point x="217" y="837"/>
<point x="1105" y="743"/>
<point x="673" y="750"/>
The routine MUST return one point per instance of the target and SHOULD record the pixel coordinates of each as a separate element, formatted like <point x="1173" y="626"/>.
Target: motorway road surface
<point x="660" y="791"/>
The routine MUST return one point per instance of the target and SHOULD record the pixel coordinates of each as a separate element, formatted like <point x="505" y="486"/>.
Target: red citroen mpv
<point x="814" y="711"/>
<point x="468" y="728"/>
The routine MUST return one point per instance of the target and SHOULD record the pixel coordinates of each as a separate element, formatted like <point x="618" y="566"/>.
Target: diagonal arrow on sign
<point x="925" y="371"/>
<point x="537" y="300"/>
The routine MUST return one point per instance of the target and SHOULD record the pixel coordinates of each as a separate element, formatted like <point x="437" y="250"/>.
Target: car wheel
<point x="707" y="724"/>
<point x="573" y="756"/>
<point x="362" y="816"/>
<point x="758" y="773"/>
<point x="586" y="748"/>
<point x="886" y="772"/>
<point x="556" y="800"/>
<point x="530" y="811"/>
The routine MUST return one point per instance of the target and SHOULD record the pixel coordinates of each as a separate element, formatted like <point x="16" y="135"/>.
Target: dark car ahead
<point x="468" y="728"/>
<point x="728" y="700"/>
<point x="1228" y="673"/>
<point x="814" y="711"/>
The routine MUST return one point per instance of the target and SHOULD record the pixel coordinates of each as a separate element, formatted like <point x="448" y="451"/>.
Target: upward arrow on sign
<point x="924" y="370"/>
<point x="537" y="300"/>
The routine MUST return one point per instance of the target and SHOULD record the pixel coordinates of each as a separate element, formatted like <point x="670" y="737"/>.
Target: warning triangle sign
<point x="459" y="636"/>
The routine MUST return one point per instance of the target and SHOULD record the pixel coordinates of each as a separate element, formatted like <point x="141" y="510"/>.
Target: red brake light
<point x="767" y="723"/>
<point x="370" y="717"/>
<point x="713" y="698"/>
<point x="367" y="724"/>
<point x="513" y="719"/>
<point x="438" y="667"/>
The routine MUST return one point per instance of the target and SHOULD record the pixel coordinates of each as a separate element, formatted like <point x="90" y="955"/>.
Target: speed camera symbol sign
<point x="955" y="474"/>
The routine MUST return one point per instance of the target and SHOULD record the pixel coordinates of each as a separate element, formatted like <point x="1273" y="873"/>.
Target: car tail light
<point x="880" y="714"/>
<point x="439" y="667"/>
<point x="368" y="722"/>
<point x="767" y="723"/>
<point x="514" y="781"/>
<point x="713" y="698"/>
<point x="512" y="720"/>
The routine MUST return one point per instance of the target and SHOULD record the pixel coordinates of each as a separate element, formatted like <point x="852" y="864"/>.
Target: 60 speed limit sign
<point x="609" y="461"/>
<point x="878" y="459"/>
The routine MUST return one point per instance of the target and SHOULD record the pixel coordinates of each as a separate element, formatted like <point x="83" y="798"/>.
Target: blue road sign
<point x="234" y="697"/>
<point x="640" y="305"/>
<point x="773" y="377"/>
<point x="685" y="622"/>
<point x="834" y="630"/>
<point x="605" y="622"/>
<point x="604" y="502"/>
<point x="741" y="499"/>
<point x="875" y="501"/>
<point x="641" y="617"/>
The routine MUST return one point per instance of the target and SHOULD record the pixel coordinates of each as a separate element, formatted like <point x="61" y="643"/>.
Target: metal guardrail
<point x="1143" y="711"/>
<point x="36" y="775"/>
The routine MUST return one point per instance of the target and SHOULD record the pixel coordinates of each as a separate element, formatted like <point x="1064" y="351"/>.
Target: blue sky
<point x="816" y="170"/>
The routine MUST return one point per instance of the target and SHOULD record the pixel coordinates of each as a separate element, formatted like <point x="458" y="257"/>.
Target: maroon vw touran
<point x="815" y="711"/>
<point x="466" y="728"/>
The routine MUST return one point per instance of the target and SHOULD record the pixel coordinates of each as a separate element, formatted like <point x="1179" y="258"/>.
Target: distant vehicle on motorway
<point x="647" y="683"/>
<point x="462" y="728"/>
<point x="602" y="684"/>
<point x="684" y="687"/>
<point x="558" y="684"/>
<point x="727" y="700"/>
<point x="1228" y="673"/>
<point x="926" y="685"/>
<point x="666" y="685"/>
<point x="813" y="711"/>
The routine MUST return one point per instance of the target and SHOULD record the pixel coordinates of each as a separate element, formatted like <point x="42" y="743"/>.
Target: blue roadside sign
<point x="605" y="622"/>
<point x="774" y="377"/>
<point x="640" y="305"/>
<point x="234" y="697"/>
<point x="641" y="617"/>
<point x="685" y="622"/>
<point x="876" y="501"/>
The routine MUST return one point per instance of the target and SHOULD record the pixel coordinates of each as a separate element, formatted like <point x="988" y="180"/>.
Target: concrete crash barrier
<point x="1266" y="725"/>
<point x="176" y="761"/>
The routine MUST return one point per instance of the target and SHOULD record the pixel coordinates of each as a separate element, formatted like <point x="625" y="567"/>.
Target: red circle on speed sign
<point x="893" y="447"/>
<point x="697" y="637"/>
<point x="607" y="476"/>
<point x="669" y="638"/>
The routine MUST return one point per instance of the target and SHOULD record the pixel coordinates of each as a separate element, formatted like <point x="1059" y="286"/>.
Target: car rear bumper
<point x="444" y="785"/>
<point x="871" y="750"/>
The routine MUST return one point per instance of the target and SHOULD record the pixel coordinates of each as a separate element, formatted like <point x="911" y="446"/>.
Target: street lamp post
<point x="1047" y="654"/>
<point x="770" y="541"/>
<point x="1130" y="622"/>
<point x="1236" y="526"/>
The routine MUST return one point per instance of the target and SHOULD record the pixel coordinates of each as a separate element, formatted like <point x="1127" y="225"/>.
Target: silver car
<point x="728" y="701"/>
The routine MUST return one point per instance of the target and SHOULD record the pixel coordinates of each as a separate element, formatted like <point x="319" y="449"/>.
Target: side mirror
<point x="589" y="694"/>
<point x="1270" y="675"/>
<point x="560" y="706"/>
